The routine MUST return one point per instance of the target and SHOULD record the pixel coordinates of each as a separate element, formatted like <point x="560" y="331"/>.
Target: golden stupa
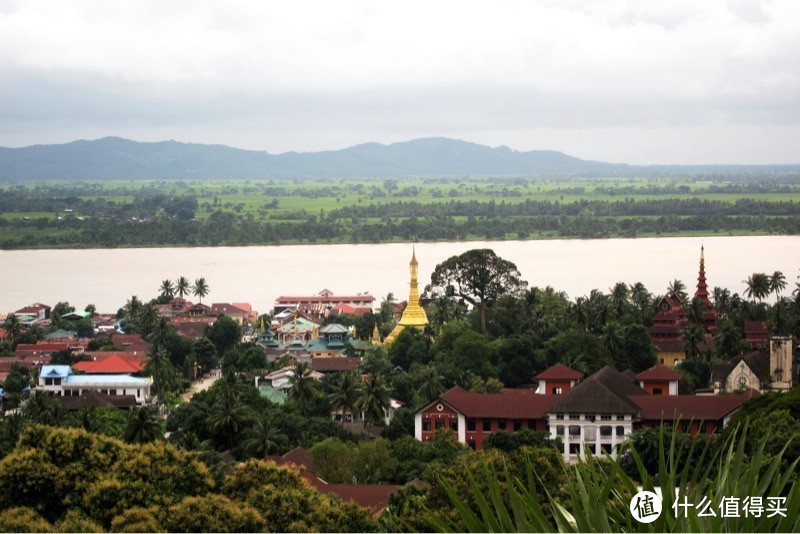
<point x="413" y="316"/>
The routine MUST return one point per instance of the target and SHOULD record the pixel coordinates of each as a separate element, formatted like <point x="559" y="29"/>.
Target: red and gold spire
<point x="710" y="314"/>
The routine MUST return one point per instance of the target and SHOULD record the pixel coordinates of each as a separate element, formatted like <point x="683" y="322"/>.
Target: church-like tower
<point x="709" y="313"/>
<point x="413" y="316"/>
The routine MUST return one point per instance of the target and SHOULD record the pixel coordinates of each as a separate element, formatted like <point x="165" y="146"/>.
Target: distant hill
<point x="115" y="158"/>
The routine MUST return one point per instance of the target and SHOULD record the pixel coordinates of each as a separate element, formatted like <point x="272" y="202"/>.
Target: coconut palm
<point x="345" y="392"/>
<point x="200" y="288"/>
<point x="160" y="332"/>
<point x="374" y="400"/>
<point x="262" y="439"/>
<point x="758" y="286"/>
<point x="693" y="337"/>
<point x="228" y="417"/>
<point x="777" y="283"/>
<point x="167" y="289"/>
<point x="619" y="298"/>
<point x="41" y="407"/>
<point x="142" y="426"/>
<point x="302" y="390"/>
<point x="441" y="311"/>
<point x="677" y="287"/>
<point x="159" y="366"/>
<point x="182" y="286"/>
<point x="13" y="327"/>
<point x="430" y="383"/>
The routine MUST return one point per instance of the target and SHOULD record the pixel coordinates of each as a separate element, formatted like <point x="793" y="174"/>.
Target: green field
<point x="260" y="211"/>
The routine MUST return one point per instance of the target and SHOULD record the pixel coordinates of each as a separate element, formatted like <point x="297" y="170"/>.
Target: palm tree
<point x="722" y="301"/>
<point x="430" y="383"/>
<point x="619" y="298"/>
<point x="43" y="408"/>
<point x="611" y="339"/>
<point x="374" y="400"/>
<point x="345" y="392"/>
<point x="302" y="390"/>
<point x="693" y="337"/>
<point x="160" y="332"/>
<point x="228" y="417"/>
<point x="182" y="286"/>
<point x="160" y="368"/>
<point x="677" y="287"/>
<point x="200" y="288"/>
<point x="13" y="327"/>
<point x="642" y="299"/>
<point x="167" y="289"/>
<point x="387" y="308"/>
<point x="142" y="426"/>
<point x="90" y="420"/>
<point x="758" y="286"/>
<point x="262" y="439"/>
<point x="441" y="311"/>
<point x="777" y="283"/>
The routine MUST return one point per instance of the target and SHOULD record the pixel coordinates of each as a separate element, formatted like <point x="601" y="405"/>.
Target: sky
<point x="640" y="82"/>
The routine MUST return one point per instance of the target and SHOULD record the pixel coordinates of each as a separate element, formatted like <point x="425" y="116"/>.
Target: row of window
<point x="590" y="417"/>
<point x="575" y="430"/>
<point x="486" y="424"/>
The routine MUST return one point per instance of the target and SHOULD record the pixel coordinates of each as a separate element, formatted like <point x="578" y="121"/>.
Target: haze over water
<point x="108" y="277"/>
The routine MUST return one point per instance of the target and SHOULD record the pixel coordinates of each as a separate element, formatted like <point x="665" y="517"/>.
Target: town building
<point x="60" y="380"/>
<point x="596" y="414"/>
<point x="475" y="416"/>
<point x="37" y="311"/>
<point x="557" y="379"/>
<point x="322" y="303"/>
<point x="414" y="315"/>
<point x="766" y="369"/>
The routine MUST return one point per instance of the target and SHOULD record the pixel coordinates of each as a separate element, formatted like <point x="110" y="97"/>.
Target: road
<point x="201" y="385"/>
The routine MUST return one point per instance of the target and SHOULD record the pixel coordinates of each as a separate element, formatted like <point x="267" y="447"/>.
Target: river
<point x="108" y="277"/>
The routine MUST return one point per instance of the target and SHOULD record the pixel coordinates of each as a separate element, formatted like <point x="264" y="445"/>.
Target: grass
<point x="599" y="499"/>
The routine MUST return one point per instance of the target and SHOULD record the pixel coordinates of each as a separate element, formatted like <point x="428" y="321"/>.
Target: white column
<point x="418" y="426"/>
<point x="462" y="429"/>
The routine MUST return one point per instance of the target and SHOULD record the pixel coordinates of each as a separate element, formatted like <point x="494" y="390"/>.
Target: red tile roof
<point x="659" y="373"/>
<point x="346" y="309"/>
<point x="115" y="363"/>
<point x="315" y="299"/>
<point x="42" y="347"/>
<point x="34" y="308"/>
<point x="688" y="407"/>
<point x="510" y="404"/>
<point x="559" y="372"/>
<point x="228" y="309"/>
<point x="669" y="346"/>
<point x="372" y="496"/>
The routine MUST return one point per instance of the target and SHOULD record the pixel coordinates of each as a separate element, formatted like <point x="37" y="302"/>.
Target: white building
<point x="59" y="380"/>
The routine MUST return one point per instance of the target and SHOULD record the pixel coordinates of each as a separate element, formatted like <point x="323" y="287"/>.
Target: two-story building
<point x="61" y="381"/>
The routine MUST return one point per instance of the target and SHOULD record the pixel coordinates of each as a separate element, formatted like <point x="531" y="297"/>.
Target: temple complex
<point x="414" y="315"/>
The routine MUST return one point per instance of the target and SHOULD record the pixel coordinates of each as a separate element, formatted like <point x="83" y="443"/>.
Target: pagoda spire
<point x="414" y="315"/>
<point x="710" y="314"/>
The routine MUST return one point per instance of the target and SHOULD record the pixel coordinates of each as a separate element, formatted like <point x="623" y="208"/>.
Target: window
<point x="487" y="425"/>
<point x="574" y="448"/>
<point x="590" y="417"/>
<point x="470" y="425"/>
<point x="532" y="424"/>
<point x="48" y="381"/>
<point x="501" y="424"/>
<point x="471" y="444"/>
<point x="517" y="425"/>
<point x="605" y="417"/>
<point x="439" y="424"/>
<point x="560" y="416"/>
<point x="557" y="391"/>
<point x="620" y="430"/>
<point x="606" y="448"/>
<point x="605" y="430"/>
<point x="741" y="382"/>
<point x="426" y="425"/>
<point x="574" y="416"/>
<point x="559" y="430"/>
<point x="574" y="431"/>
<point x="658" y="391"/>
<point x="454" y="425"/>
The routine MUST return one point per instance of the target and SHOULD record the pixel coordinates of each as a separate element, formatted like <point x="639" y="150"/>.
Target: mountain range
<point x="114" y="158"/>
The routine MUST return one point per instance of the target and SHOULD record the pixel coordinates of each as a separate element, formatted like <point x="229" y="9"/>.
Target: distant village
<point x="588" y="414"/>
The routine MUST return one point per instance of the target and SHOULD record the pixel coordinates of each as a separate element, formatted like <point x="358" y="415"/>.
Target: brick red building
<point x="557" y="380"/>
<point x="475" y="416"/>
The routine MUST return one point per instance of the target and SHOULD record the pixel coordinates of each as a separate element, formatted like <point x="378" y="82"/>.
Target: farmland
<point x="239" y="212"/>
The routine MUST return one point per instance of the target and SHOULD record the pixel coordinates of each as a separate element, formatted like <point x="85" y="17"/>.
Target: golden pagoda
<point x="413" y="316"/>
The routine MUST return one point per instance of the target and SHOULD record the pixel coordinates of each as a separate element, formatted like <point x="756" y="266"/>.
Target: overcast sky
<point x="645" y="81"/>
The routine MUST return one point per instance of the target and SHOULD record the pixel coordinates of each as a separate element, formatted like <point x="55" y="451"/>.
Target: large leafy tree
<point x="478" y="277"/>
<point x="228" y="416"/>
